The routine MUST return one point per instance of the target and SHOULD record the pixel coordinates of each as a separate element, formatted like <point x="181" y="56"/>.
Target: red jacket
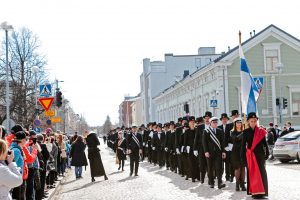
<point x="29" y="158"/>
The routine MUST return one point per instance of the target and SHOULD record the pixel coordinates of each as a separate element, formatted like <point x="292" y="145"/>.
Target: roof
<point x="231" y="51"/>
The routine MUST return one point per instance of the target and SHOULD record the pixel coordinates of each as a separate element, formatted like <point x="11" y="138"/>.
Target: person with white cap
<point x="213" y="146"/>
<point x="236" y="161"/>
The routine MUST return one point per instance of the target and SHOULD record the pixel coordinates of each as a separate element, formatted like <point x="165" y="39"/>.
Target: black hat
<point x="154" y="124"/>
<point x="234" y="112"/>
<point x="199" y="119"/>
<point x="166" y="124"/>
<point x="184" y="119"/>
<point x="208" y="114"/>
<point x="192" y="118"/>
<point x="142" y="126"/>
<point x="179" y="119"/>
<point x="20" y="135"/>
<point x="32" y="132"/>
<point x="16" y="128"/>
<point x="159" y="125"/>
<point x="134" y="126"/>
<point x="251" y="115"/>
<point x="224" y="115"/>
<point x="186" y="125"/>
<point x="172" y="123"/>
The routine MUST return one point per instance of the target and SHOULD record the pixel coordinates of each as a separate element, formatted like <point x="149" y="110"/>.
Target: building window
<point x="296" y="103"/>
<point x="271" y="59"/>
<point x="271" y="56"/>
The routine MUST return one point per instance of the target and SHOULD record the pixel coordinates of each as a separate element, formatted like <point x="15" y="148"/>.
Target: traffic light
<point x="277" y="101"/>
<point x="58" y="98"/>
<point x="285" y="103"/>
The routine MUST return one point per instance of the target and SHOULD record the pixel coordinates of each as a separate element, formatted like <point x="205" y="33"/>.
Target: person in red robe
<point x="255" y="152"/>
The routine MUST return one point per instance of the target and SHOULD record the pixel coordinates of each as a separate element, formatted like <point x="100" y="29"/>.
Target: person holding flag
<point x="254" y="145"/>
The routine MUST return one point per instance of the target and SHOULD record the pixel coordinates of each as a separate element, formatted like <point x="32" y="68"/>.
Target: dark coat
<point x="121" y="149"/>
<point x="159" y="143"/>
<point x="189" y="139"/>
<point x="198" y="145"/>
<point x="227" y="138"/>
<point x="210" y="146"/>
<point x="236" y="160"/>
<point x="78" y="155"/>
<point x="132" y="145"/>
<point x="94" y="156"/>
<point x="261" y="153"/>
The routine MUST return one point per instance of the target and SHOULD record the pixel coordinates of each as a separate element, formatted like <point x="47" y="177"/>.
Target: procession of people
<point x="201" y="149"/>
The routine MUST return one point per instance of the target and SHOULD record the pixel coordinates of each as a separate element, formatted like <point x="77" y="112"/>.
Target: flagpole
<point x="243" y="113"/>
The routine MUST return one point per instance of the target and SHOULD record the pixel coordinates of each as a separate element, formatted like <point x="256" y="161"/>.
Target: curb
<point x="58" y="186"/>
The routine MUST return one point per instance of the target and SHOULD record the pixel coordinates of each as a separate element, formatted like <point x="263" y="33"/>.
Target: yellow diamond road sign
<point x="55" y="119"/>
<point x="50" y="113"/>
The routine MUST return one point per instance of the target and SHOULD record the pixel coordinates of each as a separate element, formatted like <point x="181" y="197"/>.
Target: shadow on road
<point x="127" y="179"/>
<point x="83" y="186"/>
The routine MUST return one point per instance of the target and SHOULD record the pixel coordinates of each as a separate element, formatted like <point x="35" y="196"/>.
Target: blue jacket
<point x="18" y="153"/>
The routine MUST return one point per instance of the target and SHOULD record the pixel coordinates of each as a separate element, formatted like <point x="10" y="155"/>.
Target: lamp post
<point x="7" y="28"/>
<point x="279" y="68"/>
<point x="35" y="70"/>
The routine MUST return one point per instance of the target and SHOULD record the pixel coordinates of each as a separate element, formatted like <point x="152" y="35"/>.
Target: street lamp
<point x="35" y="70"/>
<point x="7" y="28"/>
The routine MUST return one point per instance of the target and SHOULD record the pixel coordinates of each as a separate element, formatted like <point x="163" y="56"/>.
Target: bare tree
<point x="23" y="47"/>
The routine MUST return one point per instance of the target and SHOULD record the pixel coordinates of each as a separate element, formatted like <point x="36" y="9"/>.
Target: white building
<point x="136" y="107"/>
<point x="272" y="55"/>
<point x="158" y="75"/>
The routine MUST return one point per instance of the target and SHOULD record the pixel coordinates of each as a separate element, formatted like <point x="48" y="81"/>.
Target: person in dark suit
<point x="134" y="145"/>
<point x="213" y="146"/>
<point x="226" y="128"/>
<point x="289" y="127"/>
<point x="145" y="134"/>
<point x="255" y="152"/>
<point x="193" y="168"/>
<point x="167" y="145"/>
<point x="178" y="132"/>
<point x="96" y="165"/>
<point x="172" y="147"/>
<point x="158" y="145"/>
<point x="198" y="145"/>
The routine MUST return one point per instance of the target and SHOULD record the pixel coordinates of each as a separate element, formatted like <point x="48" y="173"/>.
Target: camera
<point x="9" y="152"/>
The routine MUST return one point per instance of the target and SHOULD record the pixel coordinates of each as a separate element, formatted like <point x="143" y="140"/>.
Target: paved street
<point x="155" y="183"/>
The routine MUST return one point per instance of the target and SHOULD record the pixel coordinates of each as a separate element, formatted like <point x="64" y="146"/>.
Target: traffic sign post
<point x="55" y="119"/>
<point x="49" y="113"/>
<point x="45" y="90"/>
<point x="37" y="129"/>
<point x="214" y="103"/>
<point x="36" y="122"/>
<point x="46" y="102"/>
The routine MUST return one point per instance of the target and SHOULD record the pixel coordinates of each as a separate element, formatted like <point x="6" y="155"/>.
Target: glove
<point x="182" y="148"/>
<point x="188" y="149"/>
<point x="177" y="151"/>
<point x="153" y="148"/>
<point x="166" y="149"/>
<point x="196" y="153"/>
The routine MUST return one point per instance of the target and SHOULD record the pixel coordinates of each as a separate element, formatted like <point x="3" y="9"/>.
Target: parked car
<point x="287" y="148"/>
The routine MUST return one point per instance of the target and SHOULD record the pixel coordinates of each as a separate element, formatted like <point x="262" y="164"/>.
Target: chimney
<point x="228" y="48"/>
<point x="186" y="73"/>
<point x="253" y="32"/>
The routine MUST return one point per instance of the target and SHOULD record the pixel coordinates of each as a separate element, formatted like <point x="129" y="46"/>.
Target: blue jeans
<point x="78" y="171"/>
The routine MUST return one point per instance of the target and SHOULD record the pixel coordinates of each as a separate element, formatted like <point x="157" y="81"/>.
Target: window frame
<point x="293" y="89"/>
<point x="270" y="47"/>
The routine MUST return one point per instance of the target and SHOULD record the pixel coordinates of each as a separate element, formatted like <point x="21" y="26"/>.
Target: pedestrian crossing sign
<point x="45" y="90"/>
<point x="214" y="103"/>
